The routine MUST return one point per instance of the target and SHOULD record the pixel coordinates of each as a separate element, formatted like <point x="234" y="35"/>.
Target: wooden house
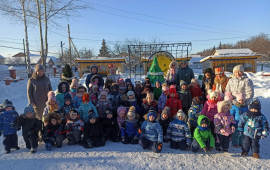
<point x="229" y="58"/>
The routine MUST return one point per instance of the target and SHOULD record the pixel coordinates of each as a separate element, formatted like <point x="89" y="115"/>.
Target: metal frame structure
<point x="177" y="50"/>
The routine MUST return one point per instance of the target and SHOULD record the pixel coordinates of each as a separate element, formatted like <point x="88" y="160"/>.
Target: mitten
<point x="159" y="145"/>
<point x="205" y="150"/>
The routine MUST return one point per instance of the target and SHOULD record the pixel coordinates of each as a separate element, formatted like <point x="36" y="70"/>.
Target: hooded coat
<point x="241" y="85"/>
<point x="60" y="95"/>
<point x="89" y="77"/>
<point x="224" y="121"/>
<point x="152" y="131"/>
<point x="237" y="110"/>
<point x="83" y="111"/>
<point x="7" y="122"/>
<point x="210" y="109"/>
<point x="185" y="74"/>
<point x="201" y="136"/>
<point x="37" y="90"/>
<point x="193" y="114"/>
<point x="178" y="131"/>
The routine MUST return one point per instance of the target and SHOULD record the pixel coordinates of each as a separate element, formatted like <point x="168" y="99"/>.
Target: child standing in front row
<point x="178" y="132"/>
<point x="254" y="125"/>
<point x="7" y="120"/>
<point x="30" y="128"/>
<point x="224" y="125"/>
<point x="239" y="107"/>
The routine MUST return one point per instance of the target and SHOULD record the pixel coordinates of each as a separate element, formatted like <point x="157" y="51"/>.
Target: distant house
<point x="228" y="58"/>
<point x="34" y="59"/>
<point x="194" y="62"/>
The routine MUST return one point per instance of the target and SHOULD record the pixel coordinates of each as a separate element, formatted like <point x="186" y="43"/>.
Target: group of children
<point x="141" y="114"/>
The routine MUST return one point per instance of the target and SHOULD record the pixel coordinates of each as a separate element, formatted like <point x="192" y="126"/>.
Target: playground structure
<point x="144" y="54"/>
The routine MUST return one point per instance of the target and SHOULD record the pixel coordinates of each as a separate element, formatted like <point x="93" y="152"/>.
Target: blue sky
<point x="204" y="23"/>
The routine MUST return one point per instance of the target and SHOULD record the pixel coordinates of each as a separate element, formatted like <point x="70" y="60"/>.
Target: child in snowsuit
<point x="132" y="101"/>
<point x="98" y="80"/>
<point x="185" y="97"/>
<point x="147" y="88"/>
<point x="210" y="108"/>
<point x="203" y="137"/>
<point x="163" y="97"/>
<point x="78" y="98"/>
<point x="68" y="105"/>
<point x="110" y="127"/>
<point x="151" y="133"/>
<point x="63" y="88"/>
<point x="239" y="107"/>
<point x="193" y="113"/>
<point x="224" y="125"/>
<point x="85" y="107"/>
<point x="138" y="90"/>
<point x="164" y="121"/>
<point x="178" y="132"/>
<point x="115" y="98"/>
<point x="103" y="104"/>
<point x="7" y="126"/>
<point x="93" y="93"/>
<point x="74" y="127"/>
<point x="147" y="104"/>
<point x="129" y="129"/>
<point x="157" y="90"/>
<point x="93" y="133"/>
<point x="195" y="88"/>
<point x="30" y="128"/>
<point x="51" y="105"/>
<point x="254" y="125"/>
<point x="173" y="102"/>
<point x="73" y="87"/>
<point x="54" y="131"/>
<point x="121" y="115"/>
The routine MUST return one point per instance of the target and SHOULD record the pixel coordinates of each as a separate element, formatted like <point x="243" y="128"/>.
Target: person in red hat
<point x="173" y="102"/>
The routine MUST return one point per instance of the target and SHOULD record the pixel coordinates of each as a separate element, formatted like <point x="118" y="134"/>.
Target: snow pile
<point x="120" y="156"/>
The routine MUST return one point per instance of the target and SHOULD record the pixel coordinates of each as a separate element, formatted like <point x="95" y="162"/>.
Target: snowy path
<point x="119" y="156"/>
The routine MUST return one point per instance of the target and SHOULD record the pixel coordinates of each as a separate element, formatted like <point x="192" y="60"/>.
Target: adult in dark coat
<point x="37" y="89"/>
<point x="184" y="73"/>
<point x="94" y="71"/>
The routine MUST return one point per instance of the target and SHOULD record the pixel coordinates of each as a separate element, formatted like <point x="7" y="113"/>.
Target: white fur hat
<point x="238" y="68"/>
<point x="221" y="104"/>
<point x="180" y="113"/>
<point x="213" y="93"/>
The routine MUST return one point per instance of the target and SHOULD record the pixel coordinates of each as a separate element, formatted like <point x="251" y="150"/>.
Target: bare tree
<point x="86" y="53"/>
<point x="14" y="61"/>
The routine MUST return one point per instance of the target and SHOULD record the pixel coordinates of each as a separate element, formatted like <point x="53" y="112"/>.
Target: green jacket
<point x="202" y="136"/>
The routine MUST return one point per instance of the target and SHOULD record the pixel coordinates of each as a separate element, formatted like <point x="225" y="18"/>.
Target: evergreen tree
<point x="104" y="51"/>
<point x="67" y="73"/>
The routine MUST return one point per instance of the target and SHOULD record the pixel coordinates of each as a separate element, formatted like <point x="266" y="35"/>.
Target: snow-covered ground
<point x="119" y="156"/>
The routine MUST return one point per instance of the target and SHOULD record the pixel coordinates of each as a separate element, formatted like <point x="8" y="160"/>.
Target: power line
<point x="15" y="48"/>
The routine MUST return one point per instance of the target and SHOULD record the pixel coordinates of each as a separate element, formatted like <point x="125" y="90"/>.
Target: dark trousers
<point x="192" y="129"/>
<point x="195" y="147"/>
<point x="111" y="134"/>
<point x="31" y="141"/>
<point x="179" y="145"/>
<point x="249" y="142"/>
<point x="74" y="137"/>
<point x="149" y="144"/>
<point x="10" y="141"/>
<point x="94" y="142"/>
<point x="222" y="141"/>
<point x="130" y="139"/>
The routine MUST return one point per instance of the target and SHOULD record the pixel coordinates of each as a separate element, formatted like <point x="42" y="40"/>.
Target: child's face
<point x="150" y="99"/>
<point x="241" y="101"/>
<point x="181" y="118"/>
<point x="85" y="102"/>
<point x="80" y="92"/>
<point x="64" y="88"/>
<point x="92" y="120"/>
<point x="130" y="97"/>
<point x="94" y="70"/>
<point x="254" y="110"/>
<point x="157" y="85"/>
<point x="95" y="89"/>
<point x="207" y="75"/>
<point x="130" y="118"/>
<point x="226" y="108"/>
<point x="195" y="83"/>
<point x="53" y="121"/>
<point x="147" y="84"/>
<point x="73" y="116"/>
<point x="219" y="75"/>
<point x="138" y="86"/>
<point x="29" y="115"/>
<point x="129" y="88"/>
<point x="151" y="118"/>
<point x="122" y="114"/>
<point x="172" y="95"/>
<point x="113" y="71"/>
<point x="102" y="97"/>
<point x="164" y="116"/>
<point x="96" y="81"/>
<point x="52" y="102"/>
<point x="204" y="125"/>
<point x="8" y="109"/>
<point x="166" y="92"/>
<point x="109" y="116"/>
<point x="213" y="98"/>
<point x="67" y="102"/>
<point x="184" y="87"/>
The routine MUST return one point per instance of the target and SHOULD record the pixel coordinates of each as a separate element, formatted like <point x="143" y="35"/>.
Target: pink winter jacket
<point x="209" y="109"/>
<point x="224" y="121"/>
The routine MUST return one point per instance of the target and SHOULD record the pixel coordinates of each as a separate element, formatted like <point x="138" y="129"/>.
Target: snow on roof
<point x="242" y="51"/>
<point x="101" y="58"/>
<point x="195" y="60"/>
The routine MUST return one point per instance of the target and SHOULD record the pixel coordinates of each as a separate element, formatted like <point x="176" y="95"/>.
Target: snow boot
<point x="17" y="148"/>
<point x="218" y="148"/>
<point x="256" y="155"/>
<point x="225" y="150"/>
<point x="48" y="146"/>
<point x="244" y="153"/>
<point x="7" y="151"/>
<point x="33" y="150"/>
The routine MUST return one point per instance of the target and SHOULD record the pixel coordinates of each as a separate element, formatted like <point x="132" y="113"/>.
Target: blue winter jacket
<point x="152" y="131"/>
<point x="237" y="111"/>
<point x="83" y="111"/>
<point x="162" y="101"/>
<point x="178" y="131"/>
<point x="193" y="114"/>
<point x="7" y="119"/>
<point x="77" y="101"/>
<point x="253" y="127"/>
<point x="130" y="128"/>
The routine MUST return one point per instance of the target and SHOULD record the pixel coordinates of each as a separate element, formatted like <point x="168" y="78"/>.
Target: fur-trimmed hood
<point x="53" y="115"/>
<point x="60" y="85"/>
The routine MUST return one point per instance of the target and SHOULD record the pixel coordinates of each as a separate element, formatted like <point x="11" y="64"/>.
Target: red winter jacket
<point x="175" y="104"/>
<point x="195" y="91"/>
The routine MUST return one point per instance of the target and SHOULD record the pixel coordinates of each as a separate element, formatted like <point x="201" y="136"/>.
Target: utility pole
<point x="24" y="54"/>
<point x="41" y="36"/>
<point x="69" y="43"/>
<point x="62" y="54"/>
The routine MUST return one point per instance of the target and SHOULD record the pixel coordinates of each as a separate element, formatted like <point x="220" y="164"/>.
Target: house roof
<point x="243" y="51"/>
